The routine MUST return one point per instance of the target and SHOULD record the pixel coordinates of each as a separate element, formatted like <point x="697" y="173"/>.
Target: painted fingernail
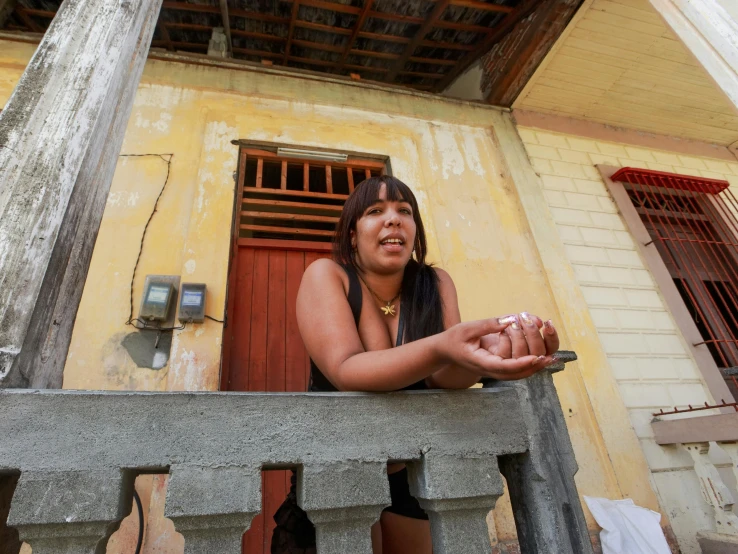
<point x="549" y="327"/>
<point x="507" y="320"/>
<point x="540" y="359"/>
<point x="526" y="317"/>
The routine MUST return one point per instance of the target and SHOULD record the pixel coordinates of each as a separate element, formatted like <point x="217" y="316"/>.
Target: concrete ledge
<point x="717" y="428"/>
<point x="69" y="430"/>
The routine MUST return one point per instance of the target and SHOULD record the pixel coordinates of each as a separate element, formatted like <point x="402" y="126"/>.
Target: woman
<point x="379" y="318"/>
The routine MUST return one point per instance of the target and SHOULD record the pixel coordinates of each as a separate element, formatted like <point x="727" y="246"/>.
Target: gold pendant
<point x="388" y="309"/>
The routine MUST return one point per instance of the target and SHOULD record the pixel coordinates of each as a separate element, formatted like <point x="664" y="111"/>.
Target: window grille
<point x="294" y="199"/>
<point x="693" y="222"/>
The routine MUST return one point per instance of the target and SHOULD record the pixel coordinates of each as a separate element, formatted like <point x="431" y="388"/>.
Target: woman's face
<point x="385" y="235"/>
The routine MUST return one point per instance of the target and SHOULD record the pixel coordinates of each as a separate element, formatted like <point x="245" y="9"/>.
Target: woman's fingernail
<point x="527" y="319"/>
<point x="540" y="359"/>
<point x="507" y="320"/>
<point x="549" y="327"/>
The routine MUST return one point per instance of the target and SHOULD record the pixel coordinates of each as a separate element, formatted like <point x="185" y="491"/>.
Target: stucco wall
<point x="646" y="352"/>
<point x="450" y="152"/>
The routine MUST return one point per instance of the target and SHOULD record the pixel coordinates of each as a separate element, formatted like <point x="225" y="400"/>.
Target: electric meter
<point x="192" y="303"/>
<point x="157" y="298"/>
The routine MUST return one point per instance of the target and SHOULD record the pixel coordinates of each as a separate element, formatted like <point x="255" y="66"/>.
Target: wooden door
<point x="285" y="216"/>
<point x="265" y="351"/>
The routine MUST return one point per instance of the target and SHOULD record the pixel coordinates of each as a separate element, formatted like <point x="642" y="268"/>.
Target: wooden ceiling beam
<point x="482" y="6"/>
<point x="321" y="27"/>
<point x="432" y="61"/>
<point x="505" y="26"/>
<point x="385" y="38"/>
<point x="447" y="45"/>
<point x="40" y="13"/>
<point x="318" y="46"/>
<point x="464" y="27"/>
<point x="205" y="8"/>
<point x="252" y="52"/>
<point x="397" y="17"/>
<point x="291" y="32"/>
<point x="427" y="25"/>
<point x="373" y="54"/>
<point x="355" y="33"/>
<point x="234" y="32"/>
<point x="28" y="20"/>
<point x="330" y="6"/>
<point x="367" y="68"/>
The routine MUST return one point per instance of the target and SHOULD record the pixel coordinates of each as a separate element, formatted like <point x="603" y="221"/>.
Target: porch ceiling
<point x="423" y="44"/>
<point x="618" y="63"/>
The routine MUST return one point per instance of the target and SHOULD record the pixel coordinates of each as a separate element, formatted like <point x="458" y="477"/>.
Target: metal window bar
<point x="296" y="199"/>
<point x="693" y="223"/>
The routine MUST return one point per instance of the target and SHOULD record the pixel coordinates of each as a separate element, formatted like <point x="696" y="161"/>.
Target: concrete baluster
<point x="731" y="449"/>
<point x="714" y="490"/>
<point x="71" y="512"/>
<point x="213" y="507"/>
<point x="457" y="493"/>
<point x="343" y="500"/>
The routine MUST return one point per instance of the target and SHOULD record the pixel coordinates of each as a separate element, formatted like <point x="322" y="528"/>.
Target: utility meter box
<point x="192" y="303"/>
<point x="157" y="299"/>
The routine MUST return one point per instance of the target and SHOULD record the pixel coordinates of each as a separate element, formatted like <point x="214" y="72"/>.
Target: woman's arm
<point x="332" y="340"/>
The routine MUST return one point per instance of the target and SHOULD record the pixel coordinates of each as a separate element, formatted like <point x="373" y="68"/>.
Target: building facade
<point x="519" y="208"/>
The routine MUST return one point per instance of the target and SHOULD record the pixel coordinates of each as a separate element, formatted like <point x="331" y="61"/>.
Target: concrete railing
<point x="78" y="453"/>
<point x="712" y="443"/>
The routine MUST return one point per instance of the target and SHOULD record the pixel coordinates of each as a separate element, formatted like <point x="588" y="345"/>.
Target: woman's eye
<point x="406" y="211"/>
<point x="374" y="211"/>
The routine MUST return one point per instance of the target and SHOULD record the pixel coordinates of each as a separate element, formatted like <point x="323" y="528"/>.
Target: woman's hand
<point x="513" y="347"/>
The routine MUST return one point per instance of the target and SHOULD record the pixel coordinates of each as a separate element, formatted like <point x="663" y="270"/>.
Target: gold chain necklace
<point x="389" y="308"/>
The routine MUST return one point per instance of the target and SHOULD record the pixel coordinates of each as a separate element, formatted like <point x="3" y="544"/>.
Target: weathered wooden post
<point x="60" y="135"/>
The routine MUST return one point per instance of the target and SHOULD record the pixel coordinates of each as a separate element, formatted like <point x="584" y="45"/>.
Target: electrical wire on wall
<point x="138" y="323"/>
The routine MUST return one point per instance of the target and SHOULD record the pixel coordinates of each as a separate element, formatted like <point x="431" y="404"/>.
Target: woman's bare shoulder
<point x="443" y="277"/>
<point x="322" y="271"/>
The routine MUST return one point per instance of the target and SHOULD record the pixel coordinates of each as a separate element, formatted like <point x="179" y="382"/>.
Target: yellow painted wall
<point x="449" y="152"/>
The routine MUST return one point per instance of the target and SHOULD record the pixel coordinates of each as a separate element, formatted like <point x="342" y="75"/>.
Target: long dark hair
<point x="421" y="299"/>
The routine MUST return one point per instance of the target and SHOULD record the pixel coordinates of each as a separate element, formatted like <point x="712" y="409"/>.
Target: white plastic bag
<point x="627" y="528"/>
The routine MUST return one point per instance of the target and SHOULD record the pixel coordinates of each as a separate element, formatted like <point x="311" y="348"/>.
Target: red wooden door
<point x="263" y="350"/>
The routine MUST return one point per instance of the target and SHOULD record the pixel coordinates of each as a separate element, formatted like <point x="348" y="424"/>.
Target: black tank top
<point x="355" y="297"/>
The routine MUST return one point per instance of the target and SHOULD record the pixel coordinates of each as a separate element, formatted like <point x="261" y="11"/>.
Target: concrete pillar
<point x="60" y="135"/>
<point x="711" y="34"/>
<point x="213" y="507"/>
<point x="344" y="500"/>
<point x="218" y="46"/>
<point x="71" y="512"/>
